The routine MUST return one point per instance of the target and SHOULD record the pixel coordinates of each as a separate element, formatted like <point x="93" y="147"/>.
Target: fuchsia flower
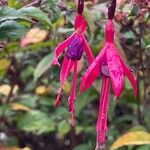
<point x="75" y="45"/>
<point x="112" y="69"/>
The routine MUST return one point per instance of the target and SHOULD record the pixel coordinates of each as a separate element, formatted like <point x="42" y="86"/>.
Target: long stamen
<point x="58" y="99"/>
<point x="101" y="126"/>
<point x="72" y="98"/>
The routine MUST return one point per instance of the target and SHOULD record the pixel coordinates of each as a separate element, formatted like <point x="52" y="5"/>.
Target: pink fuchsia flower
<point x="112" y="69"/>
<point x="74" y="45"/>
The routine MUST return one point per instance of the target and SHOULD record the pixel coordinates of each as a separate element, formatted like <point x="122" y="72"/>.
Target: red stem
<point x="80" y="6"/>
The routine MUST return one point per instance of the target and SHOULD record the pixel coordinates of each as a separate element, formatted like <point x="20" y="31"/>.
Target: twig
<point x="141" y="65"/>
<point x="10" y="94"/>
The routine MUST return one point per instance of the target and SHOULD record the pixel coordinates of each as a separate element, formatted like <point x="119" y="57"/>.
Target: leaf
<point x="28" y="100"/>
<point x="83" y="147"/>
<point x="90" y="23"/>
<point x="15" y="106"/>
<point x="35" y="13"/>
<point x="34" y="35"/>
<point x="144" y="147"/>
<point x="5" y="89"/>
<point x="11" y="30"/>
<point x="14" y="3"/>
<point x="14" y="148"/>
<point x="84" y="99"/>
<point x="59" y="22"/>
<point x="41" y="90"/>
<point x="43" y="66"/>
<point x="7" y="14"/>
<point x="135" y="10"/>
<point x="61" y="113"/>
<point x="36" y="121"/>
<point x="4" y="64"/>
<point x="63" y="128"/>
<point x="66" y="87"/>
<point x="132" y="138"/>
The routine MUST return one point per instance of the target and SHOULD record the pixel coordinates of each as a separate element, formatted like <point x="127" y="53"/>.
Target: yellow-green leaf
<point x="43" y="89"/>
<point x="66" y="87"/>
<point x="15" y="106"/>
<point x="5" y="89"/>
<point x="132" y="138"/>
<point x="5" y="63"/>
<point x="35" y="35"/>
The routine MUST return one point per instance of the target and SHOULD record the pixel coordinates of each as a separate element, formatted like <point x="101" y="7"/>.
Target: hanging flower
<point x="112" y="69"/>
<point x="74" y="45"/>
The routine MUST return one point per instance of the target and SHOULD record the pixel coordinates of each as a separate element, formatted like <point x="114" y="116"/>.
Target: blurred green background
<point x="29" y="33"/>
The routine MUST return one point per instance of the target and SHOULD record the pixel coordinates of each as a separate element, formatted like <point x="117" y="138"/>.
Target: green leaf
<point x="36" y="121"/>
<point x="90" y="22"/>
<point x="35" y="13"/>
<point x="14" y="3"/>
<point x="144" y="147"/>
<point x="84" y="99"/>
<point x="7" y="13"/>
<point x="135" y="10"/>
<point x="11" y="30"/>
<point x="43" y="66"/>
<point x="63" y="128"/>
<point x="82" y="147"/>
<point x="28" y="100"/>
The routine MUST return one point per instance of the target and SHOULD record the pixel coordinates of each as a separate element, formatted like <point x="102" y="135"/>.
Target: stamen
<point x="101" y="126"/>
<point x="99" y="146"/>
<point x="72" y="98"/>
<point x="59" y="98"/>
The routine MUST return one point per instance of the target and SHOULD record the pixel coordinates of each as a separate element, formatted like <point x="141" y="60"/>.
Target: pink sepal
<point x="115" y="69"/>
<point x="92" y="72"/>
<point x="78" y="20"/>
<point x="130" y="76"/>
<point x="88" y="51"/>
<point x="82" y="27"/>
<point x="65" y="69"/>
<point x="61" y="46"/>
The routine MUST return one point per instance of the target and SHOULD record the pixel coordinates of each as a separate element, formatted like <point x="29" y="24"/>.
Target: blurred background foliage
<point x="29" y="33"/>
